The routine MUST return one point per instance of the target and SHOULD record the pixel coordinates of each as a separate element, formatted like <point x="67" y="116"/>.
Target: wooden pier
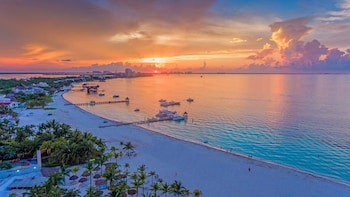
<point x="134" y="123"/>
<point x="92" y="103"/>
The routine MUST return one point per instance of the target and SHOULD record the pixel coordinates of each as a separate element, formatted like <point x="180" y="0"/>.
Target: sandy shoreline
<point x="214" y="172"/>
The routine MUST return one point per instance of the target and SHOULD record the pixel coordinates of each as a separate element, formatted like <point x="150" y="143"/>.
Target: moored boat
<point x="190" y="100"/>
<point x="170" y="103"/>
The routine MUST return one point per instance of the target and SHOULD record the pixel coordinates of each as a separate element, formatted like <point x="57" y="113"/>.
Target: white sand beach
<point x="214" y="172"/>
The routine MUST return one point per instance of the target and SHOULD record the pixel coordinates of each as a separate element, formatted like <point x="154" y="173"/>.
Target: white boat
<point x="170" y="103"/>
<point x="177" y="117"/>
<point x="165" y="113"/>
<point x="189" y="100"/>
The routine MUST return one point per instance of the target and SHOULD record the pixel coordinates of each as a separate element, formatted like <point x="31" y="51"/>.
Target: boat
<point x="162" y="100"/>
<point x="101" y="94"/>
<point x="165" y="113"/>
<point x="137" y="110"/>
<point x="170" y="103"/>
<point x="169" y="115"/>
<point x="190" y="100"/>
<point x="177" y="117"/>
<point x="115" y="96"/>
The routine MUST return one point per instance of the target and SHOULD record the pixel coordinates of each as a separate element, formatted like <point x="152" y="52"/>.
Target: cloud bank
<point x="287" y="51"/>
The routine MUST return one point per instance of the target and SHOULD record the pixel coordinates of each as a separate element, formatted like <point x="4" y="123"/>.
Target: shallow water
<point x="300" y="121"/>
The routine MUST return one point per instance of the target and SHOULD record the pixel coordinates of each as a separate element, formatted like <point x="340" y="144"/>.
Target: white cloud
<point x="127" y="36"/>
<point x="237" y="40"/>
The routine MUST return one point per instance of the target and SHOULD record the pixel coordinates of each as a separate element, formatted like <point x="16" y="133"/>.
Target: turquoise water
<point x="300" y="121"/>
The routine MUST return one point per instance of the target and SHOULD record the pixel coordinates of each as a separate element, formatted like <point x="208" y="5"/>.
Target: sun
<point x="155" y="71"/>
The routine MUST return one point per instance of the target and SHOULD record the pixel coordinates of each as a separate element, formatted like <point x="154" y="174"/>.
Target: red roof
<point x="5" y="103"/>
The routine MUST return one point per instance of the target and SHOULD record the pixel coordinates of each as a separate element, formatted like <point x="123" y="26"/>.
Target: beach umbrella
<point x="100" y="182"/>
<point x="97" y="176"/>
<point x="132" y="191"/>
<point x="82" y="180"/>
<point x="74" y="177"/>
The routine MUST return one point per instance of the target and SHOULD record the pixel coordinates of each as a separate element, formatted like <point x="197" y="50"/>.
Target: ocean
<point x="297" y="120"/>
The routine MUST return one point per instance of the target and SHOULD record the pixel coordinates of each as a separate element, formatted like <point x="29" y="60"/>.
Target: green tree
<point x="128" y="147"/>
<point x="110" y="174"/>
<point x="92" y="192"/>
<point x="72" y="193"/>
<point x="65" y="171"/>
<point x="177" y="188"/>
<point x="152" y="174"/>
<point x="155" y="188"/>
<point x="166" y="188"/>
<point x="100" y="160"/>
<point x="90" y="167"/>
<point x="197" y="193"/>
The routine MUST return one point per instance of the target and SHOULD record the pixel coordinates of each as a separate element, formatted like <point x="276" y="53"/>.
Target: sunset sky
<point x="175" y="35"/>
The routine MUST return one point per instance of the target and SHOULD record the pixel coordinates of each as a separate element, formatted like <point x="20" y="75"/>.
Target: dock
<point x="98" y="103"/>
<point x="134" y="123"/>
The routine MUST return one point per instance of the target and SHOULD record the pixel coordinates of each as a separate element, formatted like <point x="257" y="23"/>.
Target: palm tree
<point x="90" y="167"/>
<point x="20" y="135"/>
<point x="126" y="172"/>
<point x="110" y="174"/>
<point x="114" y="153"/>
<point x="35" y="191"/>
<point x="72" y="193"/>
<point x="42" y="127"/>
<point x="185" y="192"/>
<point x="177" y="188"/>
<point x="62" y="130"/>
<point x="197" y="193"/>
<point x="12" y="194"/>
<point x="136" y="181"/>
<point x="155" y="187"/>
<point x="54" y="179"/>
<point x="92" y="192"/>
<point x="143" y="177"/>
<point x="152" y="174"/>
<point x="120" y="189"/>
<point x="101" y="160"/>
<point x="65" y="172"/>
<point x="128" y="147"/>
<point x="166" y="188"/>
<point x="53" y="126"/>
<point x="47" y="147"/>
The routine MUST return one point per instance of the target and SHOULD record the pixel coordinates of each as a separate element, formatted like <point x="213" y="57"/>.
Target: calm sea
<point x="302" y="121"/>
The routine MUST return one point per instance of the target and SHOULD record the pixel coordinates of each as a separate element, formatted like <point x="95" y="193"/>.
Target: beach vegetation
<point x="128" y="147"/>
<point x="5" y="165"/>
<point x="63" y="146"/>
